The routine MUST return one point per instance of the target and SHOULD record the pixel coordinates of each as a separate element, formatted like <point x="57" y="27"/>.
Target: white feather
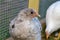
<point x="27" y="29"/>
<point x="53" y="17"/>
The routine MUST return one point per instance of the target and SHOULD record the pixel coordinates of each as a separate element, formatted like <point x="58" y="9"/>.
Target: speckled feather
<point x="25" y="29"/>
<point x="36" y="27"/>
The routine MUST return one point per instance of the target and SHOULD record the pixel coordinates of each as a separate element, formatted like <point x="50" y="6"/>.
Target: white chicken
<point x="26" y="25"/>
<point x="53" y="18"/>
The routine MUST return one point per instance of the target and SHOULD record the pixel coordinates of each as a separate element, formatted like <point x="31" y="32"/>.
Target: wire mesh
<point x="8" y="10"/>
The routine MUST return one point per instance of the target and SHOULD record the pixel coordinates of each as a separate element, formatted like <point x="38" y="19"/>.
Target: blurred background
<point x="10" y="8"/>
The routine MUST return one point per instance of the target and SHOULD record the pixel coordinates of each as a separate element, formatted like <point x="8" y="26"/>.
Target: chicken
<point x="26" y="26"/>
<point x="53" y="18"/>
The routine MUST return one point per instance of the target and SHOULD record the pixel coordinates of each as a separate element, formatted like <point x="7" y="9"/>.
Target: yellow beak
<point x="47" y="35"/>
<point x="39" y="16"/>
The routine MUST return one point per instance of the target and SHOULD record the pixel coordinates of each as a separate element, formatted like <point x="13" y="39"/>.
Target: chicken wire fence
<point x="8" y="10"/>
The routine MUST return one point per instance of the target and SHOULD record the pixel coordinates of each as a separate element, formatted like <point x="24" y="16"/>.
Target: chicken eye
<point x="13" y="26"/>
<point x="31" y="12"/>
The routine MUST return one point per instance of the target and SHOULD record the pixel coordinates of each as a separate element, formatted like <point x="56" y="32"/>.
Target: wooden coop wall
<point x="8" y="10"/>
<point x="34" y="4"/>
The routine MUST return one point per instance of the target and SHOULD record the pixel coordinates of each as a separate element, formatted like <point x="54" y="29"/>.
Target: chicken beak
<point x="47" y="35"/>
<point x="36" y="14"/>
<point x="39" y="16"/>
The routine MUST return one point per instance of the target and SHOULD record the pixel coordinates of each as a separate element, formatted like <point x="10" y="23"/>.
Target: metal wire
<point x="8" y="10"/>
